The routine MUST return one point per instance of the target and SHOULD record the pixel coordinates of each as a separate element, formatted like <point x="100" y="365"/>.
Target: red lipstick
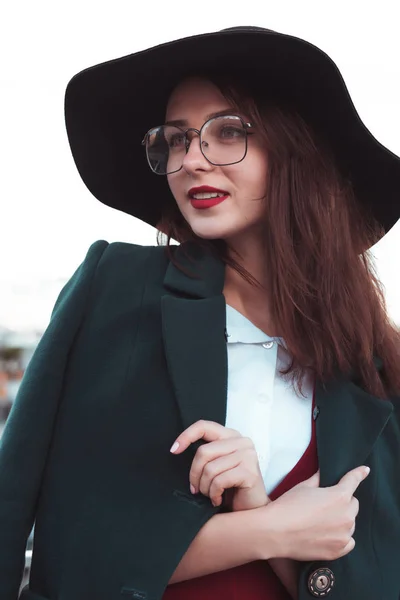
<point x="201" y="203"/>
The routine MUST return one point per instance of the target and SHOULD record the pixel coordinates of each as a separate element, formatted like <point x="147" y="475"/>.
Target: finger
<point x="352" y="530"/>
<point x="348" y="548"/>
<point x="352" y="479"/>
<point x="354" y="507"/>
<point x="226" y="480"/>
<point x="206" y="430"/>
<point x="213" y="470"/>
<point x="213" y="450"/>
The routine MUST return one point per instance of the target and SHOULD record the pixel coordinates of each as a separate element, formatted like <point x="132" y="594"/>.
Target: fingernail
<point x="174" y="447"/>
<point x="367" y="470"/>
<point x="192" y="489"/>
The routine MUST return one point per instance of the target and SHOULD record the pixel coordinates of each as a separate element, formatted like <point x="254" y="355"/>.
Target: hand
<point x="228" y="461"/>
<point x="313" y="523"/>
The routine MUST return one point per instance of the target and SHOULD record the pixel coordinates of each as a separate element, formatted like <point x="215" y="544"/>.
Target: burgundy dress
<point x="255" y="580"/>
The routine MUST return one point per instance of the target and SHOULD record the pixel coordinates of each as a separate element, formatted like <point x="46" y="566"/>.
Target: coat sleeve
<point x="28" y="431"/>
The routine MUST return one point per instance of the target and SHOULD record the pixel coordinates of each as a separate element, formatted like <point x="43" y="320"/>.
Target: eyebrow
<point x="220" y="113"/>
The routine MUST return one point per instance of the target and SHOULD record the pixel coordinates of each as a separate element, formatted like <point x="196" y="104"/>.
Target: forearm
<point x="232" y="539"/>
<point x="227" y="540"/>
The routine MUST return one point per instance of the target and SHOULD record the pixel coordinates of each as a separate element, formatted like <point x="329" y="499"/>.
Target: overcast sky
<point x="48" y="218"/>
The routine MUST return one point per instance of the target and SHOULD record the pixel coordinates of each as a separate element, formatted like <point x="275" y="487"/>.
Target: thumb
<point x="313" y="481"/>
<point x="351" y="480"/>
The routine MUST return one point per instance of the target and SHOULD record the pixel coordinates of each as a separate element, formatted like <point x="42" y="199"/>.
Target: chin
<point x="213" y="228"/>
<point x="210" y="233"/>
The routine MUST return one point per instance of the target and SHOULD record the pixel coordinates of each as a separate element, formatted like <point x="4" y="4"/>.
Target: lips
<point x="207" y="202"/>
<point x="203" y="203"/>
<point x="204" y="189"/>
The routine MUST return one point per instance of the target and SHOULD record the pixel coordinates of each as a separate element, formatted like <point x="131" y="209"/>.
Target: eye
<point x="230" y="132"/>
<point x="176" y="140"/>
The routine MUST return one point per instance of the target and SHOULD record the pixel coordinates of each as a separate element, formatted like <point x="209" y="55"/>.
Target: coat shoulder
<point x="134" y="253"/>
<point x="124" y="263"/>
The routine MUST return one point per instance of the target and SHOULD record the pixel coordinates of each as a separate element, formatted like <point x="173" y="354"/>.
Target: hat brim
<point x="110" y="107"/>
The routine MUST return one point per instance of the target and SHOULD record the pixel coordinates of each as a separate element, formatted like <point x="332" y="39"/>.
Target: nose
<point x="194" y="160"/>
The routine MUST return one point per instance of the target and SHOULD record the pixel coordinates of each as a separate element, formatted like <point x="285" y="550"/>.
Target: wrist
<point x="249" y="501"/>
<point x="250" y="532"/>
<point x="272" y="535"/>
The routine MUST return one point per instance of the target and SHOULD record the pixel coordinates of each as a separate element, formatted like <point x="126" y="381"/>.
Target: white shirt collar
<point x="241" y="329"/>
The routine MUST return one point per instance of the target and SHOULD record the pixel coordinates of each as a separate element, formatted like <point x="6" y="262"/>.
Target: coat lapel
<point x="349" y="423"/>
<point x="194" y="316"/>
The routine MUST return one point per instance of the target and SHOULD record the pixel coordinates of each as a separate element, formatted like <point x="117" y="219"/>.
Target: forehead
<point x="194" y="96"/>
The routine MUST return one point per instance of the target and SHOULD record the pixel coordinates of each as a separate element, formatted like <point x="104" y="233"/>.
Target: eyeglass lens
<point x="223" y="142"/>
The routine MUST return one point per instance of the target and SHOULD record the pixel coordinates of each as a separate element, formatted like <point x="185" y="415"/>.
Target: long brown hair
<point x="323" y="291"/>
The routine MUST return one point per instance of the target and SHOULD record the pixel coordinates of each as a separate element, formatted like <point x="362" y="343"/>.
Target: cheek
<point x="254" y="169"/>
<point x="261" y="167"/>
<point x="176" y="190"/>
<point x="253" y="176"/>
<point x="173" y="186"/>
<point x="170" y="181"/>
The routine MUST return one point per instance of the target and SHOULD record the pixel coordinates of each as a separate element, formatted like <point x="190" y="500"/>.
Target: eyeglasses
<point x="223" y="141"/>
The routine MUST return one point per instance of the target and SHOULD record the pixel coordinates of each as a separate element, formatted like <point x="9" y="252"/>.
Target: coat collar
<point x="194" y="319"/>
<point x="201" y="273"/>
<point x="194" y="334"/>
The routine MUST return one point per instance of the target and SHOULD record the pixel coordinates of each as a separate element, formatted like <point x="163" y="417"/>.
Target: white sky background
<point x="48" y="218"/>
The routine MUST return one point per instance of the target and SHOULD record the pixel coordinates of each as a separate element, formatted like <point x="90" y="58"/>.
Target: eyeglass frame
<point x="245" y="125"/>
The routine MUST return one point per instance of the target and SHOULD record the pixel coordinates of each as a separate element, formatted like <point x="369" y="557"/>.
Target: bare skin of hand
<point x="314" y="523"/>
<point x="228" y="462"/>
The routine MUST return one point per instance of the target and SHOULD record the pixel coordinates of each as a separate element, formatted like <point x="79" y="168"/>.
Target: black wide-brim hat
<point x="109" y="107"/>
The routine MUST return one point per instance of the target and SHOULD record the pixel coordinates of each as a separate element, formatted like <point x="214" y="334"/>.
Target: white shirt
<point x="261" y="404"/>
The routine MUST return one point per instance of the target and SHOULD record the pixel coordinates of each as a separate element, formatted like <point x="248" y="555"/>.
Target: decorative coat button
<point x="268" y="345"/>
<point x="321" y="582"/>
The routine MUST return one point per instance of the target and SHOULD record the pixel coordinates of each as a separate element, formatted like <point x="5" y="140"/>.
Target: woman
<point x="201" y="420"/>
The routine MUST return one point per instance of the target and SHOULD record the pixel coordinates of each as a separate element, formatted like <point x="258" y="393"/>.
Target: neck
<point x="249" y="299"/>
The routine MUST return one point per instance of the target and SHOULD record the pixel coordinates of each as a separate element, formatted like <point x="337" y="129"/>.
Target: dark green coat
<point x="134" y="353"/>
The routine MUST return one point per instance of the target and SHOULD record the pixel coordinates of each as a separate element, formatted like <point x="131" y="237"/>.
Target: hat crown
<point x="100" y="101"/>
<point x="248" y="28"/>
